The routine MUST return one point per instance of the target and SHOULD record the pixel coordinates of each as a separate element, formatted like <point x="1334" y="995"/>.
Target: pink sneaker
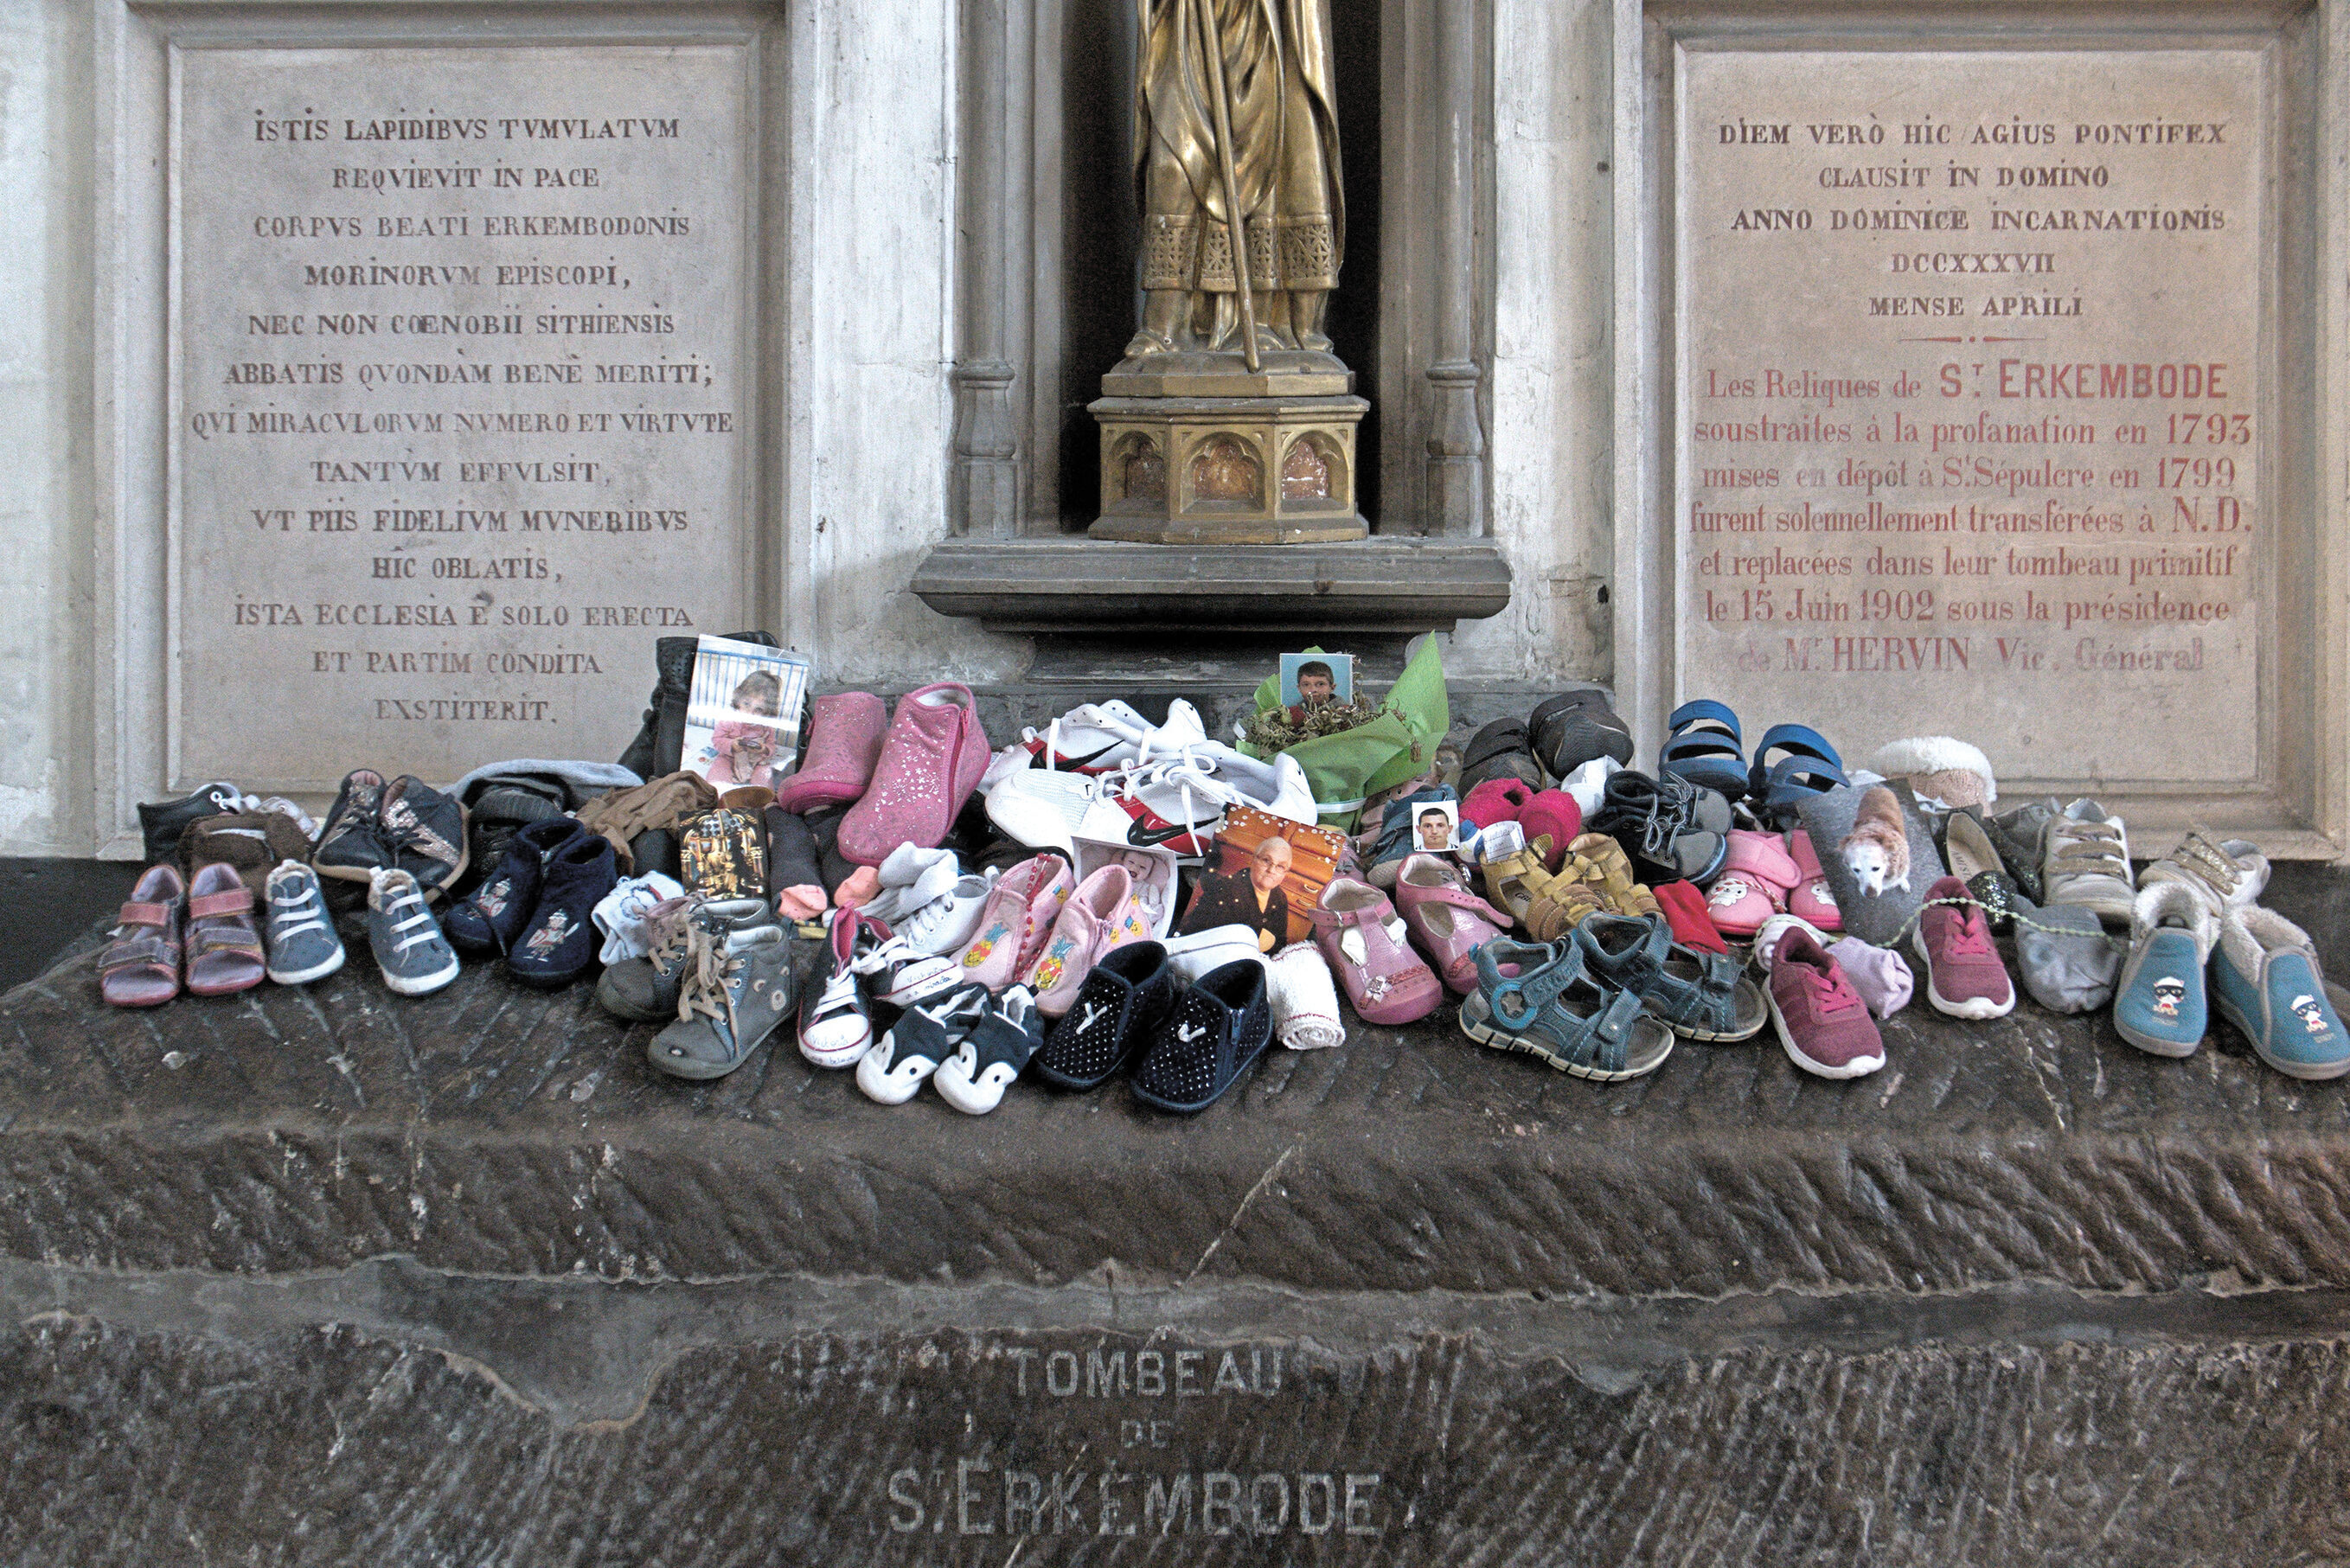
<point x="931" y="759"/>
<point x="844" y="743"/>
<point x="1755" y="876"/>
<point x="1822" y="1021"/>
<point x="1358" y="932"/>
<point x="1020" y="914"/>
<point x="1809" y="897"/>
<point x="1963" y="975"/>
<point x="1096" y="916"/>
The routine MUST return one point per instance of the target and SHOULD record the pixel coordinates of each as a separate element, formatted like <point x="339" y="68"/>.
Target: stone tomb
<point x="462" y="396"/>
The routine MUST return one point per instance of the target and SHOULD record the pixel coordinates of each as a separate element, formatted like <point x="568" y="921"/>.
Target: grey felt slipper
<point x="2068" y="962"/>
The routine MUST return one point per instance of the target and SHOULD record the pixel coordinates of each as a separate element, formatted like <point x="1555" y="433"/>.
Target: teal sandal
<point x="1704" y="996"/>
<point x="1553" y="1009"/>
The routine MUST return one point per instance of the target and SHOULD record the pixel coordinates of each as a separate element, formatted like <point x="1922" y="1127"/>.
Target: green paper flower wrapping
<point x="1348" y="766"/>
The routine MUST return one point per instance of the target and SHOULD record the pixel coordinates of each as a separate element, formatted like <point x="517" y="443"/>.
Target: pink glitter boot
<point x="931" y="761"/>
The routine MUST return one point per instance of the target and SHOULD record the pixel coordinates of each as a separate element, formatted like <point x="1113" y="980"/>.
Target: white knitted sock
<point x="1304" y="996"/>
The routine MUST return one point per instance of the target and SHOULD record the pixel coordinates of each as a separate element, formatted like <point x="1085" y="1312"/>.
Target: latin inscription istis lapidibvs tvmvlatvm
<point x="1970" y="433"/>
<point x="460" y="346"/>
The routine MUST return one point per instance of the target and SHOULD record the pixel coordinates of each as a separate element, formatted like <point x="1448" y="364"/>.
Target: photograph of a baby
<point x="742" y="717"/>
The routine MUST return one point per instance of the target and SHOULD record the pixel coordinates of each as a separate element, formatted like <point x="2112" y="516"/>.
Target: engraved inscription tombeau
<point x="1972" y="377"/>
<point x="458" y="398"/>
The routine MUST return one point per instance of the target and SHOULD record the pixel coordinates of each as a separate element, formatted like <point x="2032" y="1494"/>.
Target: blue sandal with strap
<point x="1810" y="767"/>
<point x="1704" y="996"/>
<point x="1554" y="1009"/>
<point x="1706" y="747"/>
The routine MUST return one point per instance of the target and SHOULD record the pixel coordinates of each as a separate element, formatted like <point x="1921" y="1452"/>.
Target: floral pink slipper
<point x="1755" y="875"/>
<point x="1810" y="897"/>
<point x="1363" y="940"/>
<point x="844" y="743"/>
<point x="1018" y="918"/>
<point x="931" y="759"/>
<point x="1447" y="920"/>
<point x="1086" y="928"/>
<point x="141" y="967"/>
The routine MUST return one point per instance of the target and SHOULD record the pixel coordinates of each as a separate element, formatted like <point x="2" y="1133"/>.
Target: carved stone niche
<point x="1046" y="302"/>
<point x="1188" y="471"/>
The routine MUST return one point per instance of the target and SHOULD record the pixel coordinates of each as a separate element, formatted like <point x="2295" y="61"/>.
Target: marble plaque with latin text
<point x="460" y="346"/>
<point x="1974" y="401"/>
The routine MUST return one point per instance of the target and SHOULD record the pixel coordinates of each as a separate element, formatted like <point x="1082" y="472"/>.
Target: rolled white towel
<point x="1305" y="998"/>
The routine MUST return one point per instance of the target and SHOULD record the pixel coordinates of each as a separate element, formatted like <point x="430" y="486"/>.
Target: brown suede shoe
<point x="1598" y="862"/>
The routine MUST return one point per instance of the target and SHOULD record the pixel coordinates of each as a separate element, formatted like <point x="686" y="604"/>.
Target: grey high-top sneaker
<point x="736" y="992"/>
<point x="645" y="989"/>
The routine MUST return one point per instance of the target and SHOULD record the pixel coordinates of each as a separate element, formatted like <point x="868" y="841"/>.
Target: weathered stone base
<point x="322" y="1277"/>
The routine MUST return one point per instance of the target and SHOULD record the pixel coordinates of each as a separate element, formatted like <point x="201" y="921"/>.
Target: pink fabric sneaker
<point x="1359" y="935"/>
<point x="844" y="743"/>
<point x="1447" y="920"/>
<point x="1098" y="915"/>
<point x="1752" y="886"/>
<point x="1019" y="914"/>
<point x="1810" y="897"/>
<point x="931" y="759"/>
<point x="1822" y="1022"/>
<point x="1963" y="975"/>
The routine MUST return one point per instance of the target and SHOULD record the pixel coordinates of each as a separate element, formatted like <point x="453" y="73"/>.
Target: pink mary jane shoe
<point x="1447" y="920"/>
<point x="1359" y="935"/>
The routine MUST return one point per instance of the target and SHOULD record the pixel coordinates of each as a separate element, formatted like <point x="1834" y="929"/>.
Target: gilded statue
<point x="1277" y="92"/>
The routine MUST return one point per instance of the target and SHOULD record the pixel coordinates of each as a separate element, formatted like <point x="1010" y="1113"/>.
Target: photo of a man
<point x="1435" y="827"/>
<point x="1253" y="897"/>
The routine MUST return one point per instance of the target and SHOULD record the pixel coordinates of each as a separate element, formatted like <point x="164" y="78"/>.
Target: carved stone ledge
<point x="1376" y="584"/>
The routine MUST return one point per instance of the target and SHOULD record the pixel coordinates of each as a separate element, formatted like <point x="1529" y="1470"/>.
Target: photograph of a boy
<point x="743" y="750"/>
<point x="1309" y="682"/>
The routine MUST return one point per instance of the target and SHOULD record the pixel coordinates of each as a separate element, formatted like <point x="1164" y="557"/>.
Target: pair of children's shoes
<point x="538" y="906"/>
<point x="171" y="933"/>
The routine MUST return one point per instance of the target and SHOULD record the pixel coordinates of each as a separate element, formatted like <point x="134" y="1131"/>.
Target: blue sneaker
<point x="2266" y="982"/>
<point x="2160" y="1006"/>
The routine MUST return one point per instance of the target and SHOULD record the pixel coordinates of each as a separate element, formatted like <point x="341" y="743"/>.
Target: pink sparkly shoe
<point x="1018" y="918"/>
<point x="931" y="759"/>
<point x="844" y="743"/>
<point x="1091" y="923"/>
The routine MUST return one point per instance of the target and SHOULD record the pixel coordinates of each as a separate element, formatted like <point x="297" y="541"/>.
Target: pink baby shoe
<point x="1810" y="897"/>
<point x="1756" y="873"/>
<point x="844" y="743"/>
<point x="1450" y="922"/>
<point x="931" y="761"/>
<point x="1359" y="933"/>
<point x="1088" y="926"/>
<point x="1020" y="914"/>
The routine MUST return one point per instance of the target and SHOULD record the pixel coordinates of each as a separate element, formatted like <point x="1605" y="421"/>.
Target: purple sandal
<point x="141" y="967"/>
<point x="1359" y="933"/>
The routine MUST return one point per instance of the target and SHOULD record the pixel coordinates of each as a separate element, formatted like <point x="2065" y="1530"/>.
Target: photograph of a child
<point x="743" y="712"/>
<point x="1310" y="681"/>
<point x="1436" y="827"/>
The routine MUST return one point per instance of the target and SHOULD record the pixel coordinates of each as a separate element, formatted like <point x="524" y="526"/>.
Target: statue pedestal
<point x="1196" y="450"/>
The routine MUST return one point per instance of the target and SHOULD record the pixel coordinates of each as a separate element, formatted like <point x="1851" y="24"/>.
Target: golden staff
<point x="1223" y="109"/>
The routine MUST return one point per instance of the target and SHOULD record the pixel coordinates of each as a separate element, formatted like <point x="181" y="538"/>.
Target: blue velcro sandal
<point x="1810" y="767"/>
<point x="1553" y="1009"/>
<point x="1706" y="747"/>
<point x="1704" y="996"/>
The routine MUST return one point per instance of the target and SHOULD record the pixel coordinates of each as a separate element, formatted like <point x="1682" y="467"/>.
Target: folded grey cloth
<point x="1878" y="918"/>
<point x="585" y="781"/>
<point x="2071" y="968"/>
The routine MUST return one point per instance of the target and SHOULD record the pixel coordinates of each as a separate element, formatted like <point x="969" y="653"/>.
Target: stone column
<point x="1456" y="442"/>
<point x="984" y="494"/>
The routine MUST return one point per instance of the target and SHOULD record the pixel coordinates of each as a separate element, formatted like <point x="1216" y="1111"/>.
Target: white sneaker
<point x="912" y="880"/>
<point x="947" y="923"/>
<point x="2225" y="873"/>
<point x="901" y="976"/>
<point x="1195" y="955"/>
<point x="1044" y="809"/>
<point x="1092" y="737"/>
<point x="2085" y="862"/>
